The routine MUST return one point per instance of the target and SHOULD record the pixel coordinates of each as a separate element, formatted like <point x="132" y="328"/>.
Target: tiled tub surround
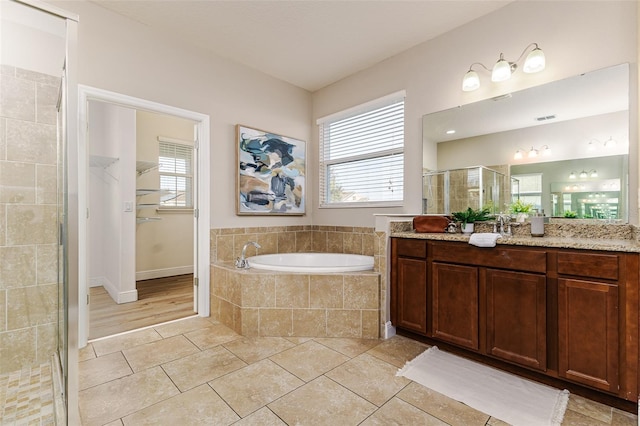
<point x="286" y="304"/>
<point x="265" y="303"/>
<point x="28" y="225"/>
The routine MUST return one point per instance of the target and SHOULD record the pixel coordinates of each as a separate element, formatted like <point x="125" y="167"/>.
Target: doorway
<point x="124" y="199"/>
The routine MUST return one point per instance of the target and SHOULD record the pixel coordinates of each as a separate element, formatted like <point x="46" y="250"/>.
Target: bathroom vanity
<point x="559" y="310"/>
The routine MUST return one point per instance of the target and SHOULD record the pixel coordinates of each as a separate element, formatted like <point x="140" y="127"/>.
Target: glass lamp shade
<point x="471" y="81"/>
<point x="533" y="153"/>
<point x="501" y="70"/>
<point x="535" y="61"/>
<point x="518" y="155"/>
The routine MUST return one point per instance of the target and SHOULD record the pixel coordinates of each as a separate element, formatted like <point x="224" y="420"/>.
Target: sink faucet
<point x="504" y="219"/>
<point x="242" y="262"/>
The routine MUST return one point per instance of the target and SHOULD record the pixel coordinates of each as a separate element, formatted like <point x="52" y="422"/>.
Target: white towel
<point x="486" y="239"/>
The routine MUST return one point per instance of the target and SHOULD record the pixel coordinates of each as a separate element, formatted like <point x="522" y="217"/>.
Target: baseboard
<point x="166" y="272"/>
<point x="119" y="296"/>
<point x="127" y="296"/>
<point x="96" y="281"/>
<point x="389" y="330"/>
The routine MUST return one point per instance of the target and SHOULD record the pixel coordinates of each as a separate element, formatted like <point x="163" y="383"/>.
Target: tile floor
<point x="26" y="397"/>
<point x="199" y="372"/>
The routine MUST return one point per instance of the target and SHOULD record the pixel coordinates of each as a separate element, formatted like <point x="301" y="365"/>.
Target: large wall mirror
<point x="562" y="146"/>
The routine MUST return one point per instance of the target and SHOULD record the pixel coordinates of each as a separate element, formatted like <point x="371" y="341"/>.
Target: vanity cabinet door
<point x="588" y="333"/>
<point x="455" y="304"/>
<point x="412" y="295"/>
<point x="409" y="284"/>
<point x="516" y="327"/>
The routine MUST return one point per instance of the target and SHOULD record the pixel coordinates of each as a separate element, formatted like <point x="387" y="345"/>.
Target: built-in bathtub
<point x="312" y="262"/>
<point x="309" y="301"/>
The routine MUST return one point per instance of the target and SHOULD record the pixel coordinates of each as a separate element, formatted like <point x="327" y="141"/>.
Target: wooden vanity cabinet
<point x="568" y="314"/>
<point x="480" y="306"/>
<point x="594" y="291"/>
<point x="409" y="294"/>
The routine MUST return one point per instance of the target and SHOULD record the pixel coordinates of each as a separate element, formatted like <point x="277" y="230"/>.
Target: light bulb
<point x="583" y="174"/>
<point x="501" y="70"/>
<point x="594" y="173"/>
<point x="518" y="155"/>
<point x="471" y="81"/>
<point x="535" y="61"/>
<point x="572" y="175"/>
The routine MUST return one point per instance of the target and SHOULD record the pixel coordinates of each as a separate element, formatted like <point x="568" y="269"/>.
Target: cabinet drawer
<point x="411" y="248"/>
<point x="592" y="265"/>
<point x="498" y="257"/>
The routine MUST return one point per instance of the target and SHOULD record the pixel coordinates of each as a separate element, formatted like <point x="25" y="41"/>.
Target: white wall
<point x="120" y="55"/>
<point x="164" y="247"/>
<point x="112" y="134"/>
<point x="576" y="37"/>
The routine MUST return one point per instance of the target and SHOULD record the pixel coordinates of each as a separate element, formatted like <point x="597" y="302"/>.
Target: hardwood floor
<point x="159" y="300"/>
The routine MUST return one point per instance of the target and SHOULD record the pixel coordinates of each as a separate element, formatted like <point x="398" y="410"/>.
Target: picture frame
<point x="271" y="173"/>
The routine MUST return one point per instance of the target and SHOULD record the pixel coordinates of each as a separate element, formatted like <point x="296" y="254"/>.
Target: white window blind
<point x="176" y="175"/>
<point x="362" y="155"/>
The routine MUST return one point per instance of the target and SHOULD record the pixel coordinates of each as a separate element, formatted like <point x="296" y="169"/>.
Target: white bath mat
<point x="505" y="396"/>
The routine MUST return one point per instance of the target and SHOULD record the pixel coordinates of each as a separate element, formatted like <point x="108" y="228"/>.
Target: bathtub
<point x="312" y="262"/>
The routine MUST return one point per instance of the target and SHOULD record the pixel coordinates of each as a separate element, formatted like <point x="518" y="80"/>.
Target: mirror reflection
<point x="561" y="147"/>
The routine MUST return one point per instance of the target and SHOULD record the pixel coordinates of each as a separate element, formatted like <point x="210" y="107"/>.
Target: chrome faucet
<point x="242" y="262"/>
<point x="504" y="219"/>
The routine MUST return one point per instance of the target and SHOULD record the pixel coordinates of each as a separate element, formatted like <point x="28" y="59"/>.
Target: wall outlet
<point x="128" y="206"/>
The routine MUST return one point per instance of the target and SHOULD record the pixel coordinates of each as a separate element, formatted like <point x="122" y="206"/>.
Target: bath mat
<point x="505" y="396"/>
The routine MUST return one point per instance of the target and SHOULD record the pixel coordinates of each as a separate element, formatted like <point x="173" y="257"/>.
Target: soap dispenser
<point x="537" y="225"/>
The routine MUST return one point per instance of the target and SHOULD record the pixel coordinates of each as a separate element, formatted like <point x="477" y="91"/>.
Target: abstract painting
<point x="271" y="173"/>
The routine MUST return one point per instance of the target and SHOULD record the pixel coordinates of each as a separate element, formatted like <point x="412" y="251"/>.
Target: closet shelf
<point x="100" y="161"/>
<point x="143" y="167"/>
<point x="146" y="191"/>
<point x="147" y="219"/>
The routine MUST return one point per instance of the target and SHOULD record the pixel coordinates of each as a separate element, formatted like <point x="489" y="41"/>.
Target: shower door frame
<point x="69" y="232"/>
<point x="201" y="192"/>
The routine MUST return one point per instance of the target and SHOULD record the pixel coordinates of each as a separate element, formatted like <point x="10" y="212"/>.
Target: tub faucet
<point x="242" y="262"/>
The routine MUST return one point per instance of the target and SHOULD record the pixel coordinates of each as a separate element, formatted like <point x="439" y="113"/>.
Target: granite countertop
<point x="562" y="234"/>
<point x="621" y="245"/>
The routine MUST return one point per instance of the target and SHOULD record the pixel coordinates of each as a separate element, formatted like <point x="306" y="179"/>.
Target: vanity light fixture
<point x="502" y="70"/>
<point x="572" y="175"/>
<point x="533" y="152"/>
<point x="608" y="144"/>
<point x="593" y="173"/>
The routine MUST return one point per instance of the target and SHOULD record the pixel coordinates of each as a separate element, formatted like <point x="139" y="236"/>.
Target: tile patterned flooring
<point x="199" y="372"/>
<point x="26" y="397"/>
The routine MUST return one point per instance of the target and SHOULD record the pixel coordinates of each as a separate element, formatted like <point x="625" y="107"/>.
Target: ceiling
<point x="308" y="43"/>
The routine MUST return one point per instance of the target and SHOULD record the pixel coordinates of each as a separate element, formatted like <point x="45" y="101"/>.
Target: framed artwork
<point x="271" y="173"/>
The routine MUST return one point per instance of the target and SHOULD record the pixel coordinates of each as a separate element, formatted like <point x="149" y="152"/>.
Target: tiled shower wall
<point x="226" y="246"/>
<point x="28" y="224"/>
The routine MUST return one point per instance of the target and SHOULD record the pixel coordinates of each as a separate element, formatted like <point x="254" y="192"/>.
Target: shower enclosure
<point x="38" y="211"/>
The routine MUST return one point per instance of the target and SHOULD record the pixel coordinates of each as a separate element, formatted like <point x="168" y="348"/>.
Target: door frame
<point x="202" y="194"/>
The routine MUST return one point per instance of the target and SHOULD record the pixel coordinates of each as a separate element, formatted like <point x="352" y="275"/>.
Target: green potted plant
<point x="569" y="214"/>
<point x="469" y="216"/>
<point x="521" y="210"/>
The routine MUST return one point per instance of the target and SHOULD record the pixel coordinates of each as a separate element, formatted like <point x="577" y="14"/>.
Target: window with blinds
<point x="176" y="175"/>
<point x="362" y="155"/>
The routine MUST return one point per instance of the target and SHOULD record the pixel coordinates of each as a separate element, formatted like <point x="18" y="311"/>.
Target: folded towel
<point x="487" y="239"/>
